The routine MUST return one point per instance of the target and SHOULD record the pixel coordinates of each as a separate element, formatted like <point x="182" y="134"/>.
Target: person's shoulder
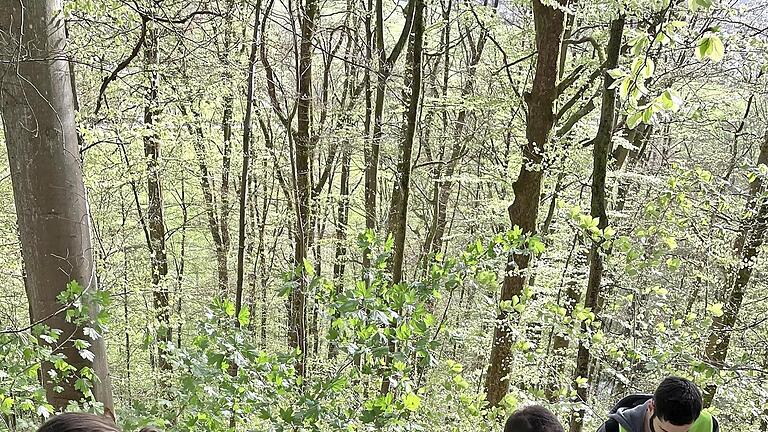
<point x="610" y="425"/>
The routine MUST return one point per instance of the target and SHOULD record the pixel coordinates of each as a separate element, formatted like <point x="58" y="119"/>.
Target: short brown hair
<point x="534" y="418"/>
<point x="79" y="422"/>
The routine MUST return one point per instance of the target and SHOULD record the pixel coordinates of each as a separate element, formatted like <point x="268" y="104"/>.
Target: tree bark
<point x="549" y="25"/>
<point x="342" y="219"/>
<point x="247" y="137"/>
<point x="600" y="150"/>
<point x="746" y="247"/>
<point x="155" y="219"/>
<point x="37" y="107"/>
<point x="398" y="209"/>
<point x="297" y="337"/>
<point x="385" y="65"/>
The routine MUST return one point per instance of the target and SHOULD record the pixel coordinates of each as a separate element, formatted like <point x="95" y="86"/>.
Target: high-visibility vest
<point x="702" y="424"/>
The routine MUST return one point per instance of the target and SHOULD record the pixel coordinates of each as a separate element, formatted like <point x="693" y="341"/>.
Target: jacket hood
<point x="632" y="419"/>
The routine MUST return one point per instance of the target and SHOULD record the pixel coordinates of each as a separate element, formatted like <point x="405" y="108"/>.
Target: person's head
<point x="676" y="404"/>
<point x="79" y="422"/>
<point x="150" y="429"/>
<point x="534" y="418"/>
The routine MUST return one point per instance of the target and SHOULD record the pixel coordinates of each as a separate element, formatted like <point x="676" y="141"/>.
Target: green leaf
<point x="634" y="119"/>
<point x="717" y="49"/>
<point x="411" y="402"/>
<point x="647" y="115"/>
<point x="716" y="310"/>
<point x="617" y="73"/>
<point x="710" y="47"/>
<point x="229" y="308"/>
<point x="6" y="405"/>
<point x="703" y="48"/>
<point x="308" y="269"/>
<point x="244" y="317"/>
<point x="649" y="68"/>
<point x="536" y="245"/>
<point x="671" y="100"/>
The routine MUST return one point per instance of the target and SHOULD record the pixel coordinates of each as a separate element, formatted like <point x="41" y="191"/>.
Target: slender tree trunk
<point x="155" y="218"/>
<point x="398" y="210"/>
<point x="297" y="337"/>
<point x="746" y="247"/>
<point x="126" y="300"/>
<point x="214" y="226"/>
<point x="445" y="187"/>
<point x="247" y="137"/>
<point x="222" y="248"/>
<point x="385" y="65"/>
<point x="342" y="218"/>
<point x="37" y="108"/>
<point x="600" y="150"/>
<point x="181" y="261"/>
<point x="572" y="275"/>
<point x="549" y="24"/>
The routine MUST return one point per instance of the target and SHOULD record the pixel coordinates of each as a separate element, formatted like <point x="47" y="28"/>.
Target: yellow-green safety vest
<point x="702" y="424"/>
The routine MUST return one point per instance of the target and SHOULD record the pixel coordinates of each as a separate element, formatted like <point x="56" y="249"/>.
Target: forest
<point x="354" y="215"/>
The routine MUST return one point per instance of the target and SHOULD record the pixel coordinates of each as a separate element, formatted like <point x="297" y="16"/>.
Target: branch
<point x="123" y="64"/>
<point x="567" y="82"/>
<point x="592" y="41"/>
<point x="409" y="11"/>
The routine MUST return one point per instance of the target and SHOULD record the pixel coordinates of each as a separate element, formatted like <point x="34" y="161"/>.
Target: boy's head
<point x="79" y="422"/>
<point x="676" y="404"/>
<point x="534" y="418"/>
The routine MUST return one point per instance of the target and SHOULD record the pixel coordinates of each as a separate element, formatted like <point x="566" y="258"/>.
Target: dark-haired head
<point x="79" y="422"/>
<point x="677" y="401"/>
<point x="534" y="418"/>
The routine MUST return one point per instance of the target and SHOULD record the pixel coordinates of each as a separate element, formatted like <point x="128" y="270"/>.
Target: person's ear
<point x="652" y="406"/>
<point x="110" y="415"/>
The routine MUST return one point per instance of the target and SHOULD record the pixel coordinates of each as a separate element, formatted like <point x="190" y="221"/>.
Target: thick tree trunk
<point x="746" y="248"/>
<point x="37" y="107"/>
<point x="297" y="337"/>
<point x="600" y="150"/>
<point x="549" y="23"/>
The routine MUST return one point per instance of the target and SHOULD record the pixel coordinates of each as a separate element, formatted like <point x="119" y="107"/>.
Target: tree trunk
<point x="247" y="137"/>
<point x="155" y="219"/>
<point x="398" y="209"/>
<point x="297" y="337"/>
<point x="746" y="247"/>
<point x="222" y="248"/>
<point x="600" y="150"/>
<point x="341" y="233"/>
<point x="434" y="240"/>
<point x="36" y="103"/>
<point x="372" y="154"/>
<point x="549" y="24"/>
<point x="573" y="274"/>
